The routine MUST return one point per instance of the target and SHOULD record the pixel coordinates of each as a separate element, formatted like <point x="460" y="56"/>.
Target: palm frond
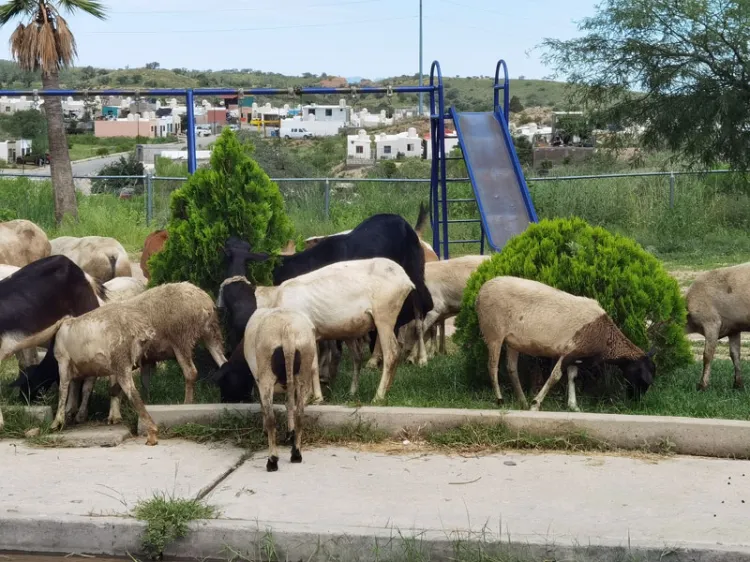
<point x="15" y="8"/>
<point x="91" y="7"/>
<point x="65" y="43"/>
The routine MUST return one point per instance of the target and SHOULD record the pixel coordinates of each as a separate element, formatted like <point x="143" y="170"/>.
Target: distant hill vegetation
<point x="466" y="93"/>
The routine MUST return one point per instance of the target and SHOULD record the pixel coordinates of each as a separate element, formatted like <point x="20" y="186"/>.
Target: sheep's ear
<point x="651" y="352"/>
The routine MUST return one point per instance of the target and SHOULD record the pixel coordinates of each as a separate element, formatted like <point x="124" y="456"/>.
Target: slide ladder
<point x="500" y="191"/>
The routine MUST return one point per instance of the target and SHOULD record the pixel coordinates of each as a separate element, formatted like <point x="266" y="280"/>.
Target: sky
<point x="367" y="38"/>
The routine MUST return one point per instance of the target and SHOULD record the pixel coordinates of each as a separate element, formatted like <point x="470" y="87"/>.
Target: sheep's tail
<point x="289" y="348"/>
<point x="421" y="220"/>
<point x="113" y="265"/>
<point x="38" y="338"/>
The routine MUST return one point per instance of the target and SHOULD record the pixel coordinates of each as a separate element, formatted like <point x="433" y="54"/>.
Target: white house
<point x="359" y="148"/>
<point x="12" y="149"/>
<point x="11" y="105"/>
<point x="388" y="147"/>
<point x="451" y="142"/>
<point x="312" y="125"/>
<point x="337" y="113"/>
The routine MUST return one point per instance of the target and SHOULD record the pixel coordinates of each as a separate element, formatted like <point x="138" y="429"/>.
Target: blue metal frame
<point x="505" y="87"/>
<point x="438" y="184"/>
<point x="192" y="159"/>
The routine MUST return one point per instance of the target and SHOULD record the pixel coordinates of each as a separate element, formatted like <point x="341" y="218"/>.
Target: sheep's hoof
<point x="499" y="401"/>
<point x="81" y="419"/>
<point x="739" y="384"/>
<point x="152" y="440"/>
<point x="317" y="401"/>
<point x="273" y="464"/>
<point x="534" y="407"/>
<point x="114" y="420"/>
<point x="56" y="425"/>
<point x="296" y="455"/>
<point x="700" y="386"/>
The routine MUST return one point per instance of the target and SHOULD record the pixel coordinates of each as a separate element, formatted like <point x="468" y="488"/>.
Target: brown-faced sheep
<point x="718" y="304"/>
<point x="101" y="257"/>
<point x="22" y="242"/>
<point x="541" y="321"/>
<point x="280" y="345"/>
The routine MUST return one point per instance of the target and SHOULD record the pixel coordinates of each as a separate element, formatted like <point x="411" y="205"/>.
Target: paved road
<point x="81" y="168"/>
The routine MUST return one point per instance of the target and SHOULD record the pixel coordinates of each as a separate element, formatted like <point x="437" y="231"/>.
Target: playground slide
<point x="503" y="199"/>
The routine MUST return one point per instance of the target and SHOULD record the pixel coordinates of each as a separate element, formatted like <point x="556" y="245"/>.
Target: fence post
<point x="327" y="197"/>
<point x="671" y="190"/>
<point x="149" y="197"/>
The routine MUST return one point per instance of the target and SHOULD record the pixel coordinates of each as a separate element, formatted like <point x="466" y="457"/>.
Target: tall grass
<point x="101" y="215"/>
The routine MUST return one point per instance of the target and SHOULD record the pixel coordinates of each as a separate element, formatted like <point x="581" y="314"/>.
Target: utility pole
<point x="420" y="56"/>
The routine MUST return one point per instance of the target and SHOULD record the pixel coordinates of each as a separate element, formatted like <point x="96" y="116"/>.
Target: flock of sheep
<point x="379" y="284"/>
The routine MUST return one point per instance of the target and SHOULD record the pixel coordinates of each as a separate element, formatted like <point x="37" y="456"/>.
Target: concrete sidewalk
<point x="356" y="504"/>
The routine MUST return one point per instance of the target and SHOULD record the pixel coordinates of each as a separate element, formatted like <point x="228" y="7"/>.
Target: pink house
<point x="125" y="128"/>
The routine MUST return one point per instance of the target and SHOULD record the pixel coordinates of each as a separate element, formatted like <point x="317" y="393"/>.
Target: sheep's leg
<point x="735" y="342"/>
<point x="2" y="421"/>
<point x="290" y="407"/>
<point x="711" y="334"/>
<point x="335" y="361"/>
<point x="189" y="372"/>
<point x="572" y="374"/>
<point x="389" y="346"/>
<point x="62" y="390"/>
<point x="265" y="393"/>
<point x="512" y="359"/>
<point x="83" y="410"/>
<point x="115" y="416"/>
<point x="317" y="392"/>
<point x="419" y="321"/>
<point x="293" y="400"/>
<point x="147" y="369"/>
<point x="213" y="343"/>
<point x="442" y="337"/>
<point x="494" y="349"/>
<point x="355" y="349"/>
<point x="72" y="401"/>
<point x="551" y="381"/>
<point x="377" y="354"/>
<point x="125" y="379"/>
<point x="324" y="360"/>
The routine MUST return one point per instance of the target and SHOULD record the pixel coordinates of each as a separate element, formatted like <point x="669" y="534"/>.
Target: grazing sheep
<point x="101" y="257"/>
<point x="153" y="244"/>
<point x="446" y="281"/>
<point x="124" y="288"/>
<point x="345" y="301"/>
<point x="541" y="321"/>
<point x="179" y="315"/>
<point x="718" y="304"/>
<point x="107" y="341"/>
<point x="280" y="346"/>
<point x="22" y="242"/>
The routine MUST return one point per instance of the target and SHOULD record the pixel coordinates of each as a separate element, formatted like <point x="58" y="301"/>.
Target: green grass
<point x="167" y="520"/>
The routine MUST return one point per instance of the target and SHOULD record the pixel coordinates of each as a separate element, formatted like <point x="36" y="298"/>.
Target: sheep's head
<point x="640" y="374"/>
<point x="238" y="252"/>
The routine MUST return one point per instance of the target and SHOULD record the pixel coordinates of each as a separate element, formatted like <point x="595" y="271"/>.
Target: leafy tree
<point x="152" y="65"/>
<point x="681" y="68"/>
<point x="569" y="254"/>
<point x="25" y="124"/>
<point x="232" y="197"/>
<point x="515" y="105"/>
<point x="46" y="44"/>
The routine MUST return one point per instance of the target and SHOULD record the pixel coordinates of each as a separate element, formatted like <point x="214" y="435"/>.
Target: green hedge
<point x="569" y="254"/>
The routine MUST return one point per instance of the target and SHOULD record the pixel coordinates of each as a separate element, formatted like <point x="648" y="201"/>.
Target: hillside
<point x="467" y="93"/>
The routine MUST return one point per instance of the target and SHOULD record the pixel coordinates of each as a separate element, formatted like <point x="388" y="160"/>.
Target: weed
<point x="167" y="520"/>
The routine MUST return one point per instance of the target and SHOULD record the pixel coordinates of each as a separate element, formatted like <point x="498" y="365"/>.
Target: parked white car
<point x="298" y="133"/>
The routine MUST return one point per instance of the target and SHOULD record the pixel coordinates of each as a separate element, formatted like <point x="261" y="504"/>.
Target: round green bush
<point x="571" y="255"/>
<point x="234" y="197"/>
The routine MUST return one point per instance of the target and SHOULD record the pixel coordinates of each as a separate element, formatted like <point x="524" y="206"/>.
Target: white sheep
<point x="345" y="301"/>
<point x="22" y="242"/>
<point x="123" y="288"/>
<point x="718" y="304"/>
<point x="101" y="257"/>
<point x="280" y="345"/>
<point x="541" y="321"/>
<point x="446" y="281"/>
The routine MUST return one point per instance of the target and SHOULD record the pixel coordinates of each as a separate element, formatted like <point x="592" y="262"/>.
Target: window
<point x="409" y="147"/>
<point x="311" y="111"/>
<point x="387" y="149"/>
<point x="360" y="150"/>
<point x="329" y="112"/>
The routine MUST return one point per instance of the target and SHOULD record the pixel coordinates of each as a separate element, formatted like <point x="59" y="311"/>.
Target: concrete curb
<point x="91" y="158"/>
<point x="113" y="536"/>
<point x="686" y="436"/>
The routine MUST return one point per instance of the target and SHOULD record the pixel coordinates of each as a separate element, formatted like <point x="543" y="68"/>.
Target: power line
<point x="460" y="5"/>
<point x="233" y="30"/>
<point x="254" y="9"/>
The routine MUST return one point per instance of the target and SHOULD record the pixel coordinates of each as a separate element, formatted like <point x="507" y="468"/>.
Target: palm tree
<point x="46" y="44"/>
